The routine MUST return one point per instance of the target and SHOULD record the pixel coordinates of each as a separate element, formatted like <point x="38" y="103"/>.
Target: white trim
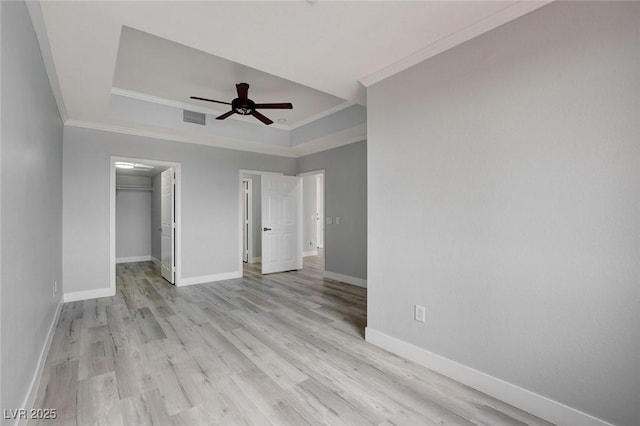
<point x="209" y="278"/>
<point x="30" y="397"/>
<point x="259" y="172"/>
<point x="249" y="217"/>
<point x="75" y="296"/>
<point x="526" y="400"/>
<point x="112" y="228"/>
<point x="464" y="34"/>
<point x="257" y="259"/>
<point x="311" y="173"/>
<point x="35" y="12"/>
<point x="345" y="278"/>
<point x="310" y="253"/>
<point x="133" y="259"/>
<point x="156" y="261"/>
<point x="323" y="114"/>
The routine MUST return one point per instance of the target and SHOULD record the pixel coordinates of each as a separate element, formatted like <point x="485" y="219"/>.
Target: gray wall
<point x="346" y="197"/>
<point x="504" y="186"/>
<point x="133" y="218"/>
<point x="210" y="202"/>
<point x="156" y="220"/>
<point x="31" y="193"/>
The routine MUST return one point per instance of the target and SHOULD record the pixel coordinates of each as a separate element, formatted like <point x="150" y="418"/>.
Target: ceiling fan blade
<point x="284" y="105"/>
<point x="243" y="90"/>
<point x="225" y="115"/>
<point x="261" y="117"/>
<point x="210" y="100"/>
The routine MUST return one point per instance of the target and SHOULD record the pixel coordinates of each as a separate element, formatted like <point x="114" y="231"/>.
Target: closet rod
<point x="134" y="188"/>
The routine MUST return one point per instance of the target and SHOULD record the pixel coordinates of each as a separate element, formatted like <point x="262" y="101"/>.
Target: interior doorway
<point x="313" y="212"/>
<point x="274" y="226"/>
<point x="145" y="215"/>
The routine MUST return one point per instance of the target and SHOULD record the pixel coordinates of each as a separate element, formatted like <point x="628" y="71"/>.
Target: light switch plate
<point x="329" y="221"/>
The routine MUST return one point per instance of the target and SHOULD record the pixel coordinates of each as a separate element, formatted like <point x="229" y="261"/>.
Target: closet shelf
<point x="133" y="188"/>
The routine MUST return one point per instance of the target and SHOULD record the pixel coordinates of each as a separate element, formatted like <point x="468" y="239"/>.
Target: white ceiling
<point x="320" y="56"/>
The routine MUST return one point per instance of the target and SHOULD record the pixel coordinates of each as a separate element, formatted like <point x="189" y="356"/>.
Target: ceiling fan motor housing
<point x="243" y="106"/>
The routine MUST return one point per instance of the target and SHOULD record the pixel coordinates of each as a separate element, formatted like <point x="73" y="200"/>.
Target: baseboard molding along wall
<point x="255" y="259"/>
<point x="208" y="278"/>
<point x="89" y="294"/>
<point x="156" y="261"/>
<point x="134" y="259"/>
<point x="345" y="278"/>
<point x="531" y="402"/>
<point x="310" y="253"/>
<point x="32" y="393"/>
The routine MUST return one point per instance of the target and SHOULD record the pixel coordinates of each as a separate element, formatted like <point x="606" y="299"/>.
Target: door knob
<point x="266" y="229"/>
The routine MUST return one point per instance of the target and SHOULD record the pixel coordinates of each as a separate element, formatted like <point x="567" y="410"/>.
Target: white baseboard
<point x="310" y="253"/>
<point x="133" y="259"/>
<point x="256" y="259"/>
<point x="156" y="261"/>
<point x="345" y="279"/>
<point x="30" y="397"/>
<point x="538" y="405"/>
<point x="89" y="294"/>
<point x="208" y="278"/>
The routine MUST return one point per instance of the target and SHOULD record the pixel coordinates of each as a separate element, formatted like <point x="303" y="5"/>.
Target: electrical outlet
<point x="419" y="313"/>
<point x="329" y="221"/>
<point x="337" y="220"/>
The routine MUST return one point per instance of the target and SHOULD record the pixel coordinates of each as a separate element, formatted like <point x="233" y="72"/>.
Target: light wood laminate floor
<point x="281" y="349"/>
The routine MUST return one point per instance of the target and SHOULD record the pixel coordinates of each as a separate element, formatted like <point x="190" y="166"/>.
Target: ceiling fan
<point x="244" y="106"/>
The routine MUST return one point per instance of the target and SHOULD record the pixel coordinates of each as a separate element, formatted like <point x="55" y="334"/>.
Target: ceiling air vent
<point x="194" y="117"/>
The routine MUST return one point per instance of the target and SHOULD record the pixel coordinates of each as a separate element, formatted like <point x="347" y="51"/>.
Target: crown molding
<point x="482" y="26"/>
<point x="37" y="20"/>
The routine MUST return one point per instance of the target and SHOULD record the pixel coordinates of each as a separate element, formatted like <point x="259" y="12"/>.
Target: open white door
<point x="167" y="214"/>
<point x="281" y="223"/>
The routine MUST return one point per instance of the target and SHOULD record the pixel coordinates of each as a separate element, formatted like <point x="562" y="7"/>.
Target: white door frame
<point x="249" y="219"/>
<point x="168" y="183"/>
<point x="112" y="216"/>
<point x="324" y="201"/>
<point x="241" y="174"/>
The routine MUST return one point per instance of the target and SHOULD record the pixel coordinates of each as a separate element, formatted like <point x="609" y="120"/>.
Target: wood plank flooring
<point x="281" y="349"/>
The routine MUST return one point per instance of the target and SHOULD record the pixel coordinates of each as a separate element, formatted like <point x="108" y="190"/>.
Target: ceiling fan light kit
<point x="242" y="105"/>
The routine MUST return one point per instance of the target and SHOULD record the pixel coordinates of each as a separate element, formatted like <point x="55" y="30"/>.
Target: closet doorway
<point x="145" y="211"/>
